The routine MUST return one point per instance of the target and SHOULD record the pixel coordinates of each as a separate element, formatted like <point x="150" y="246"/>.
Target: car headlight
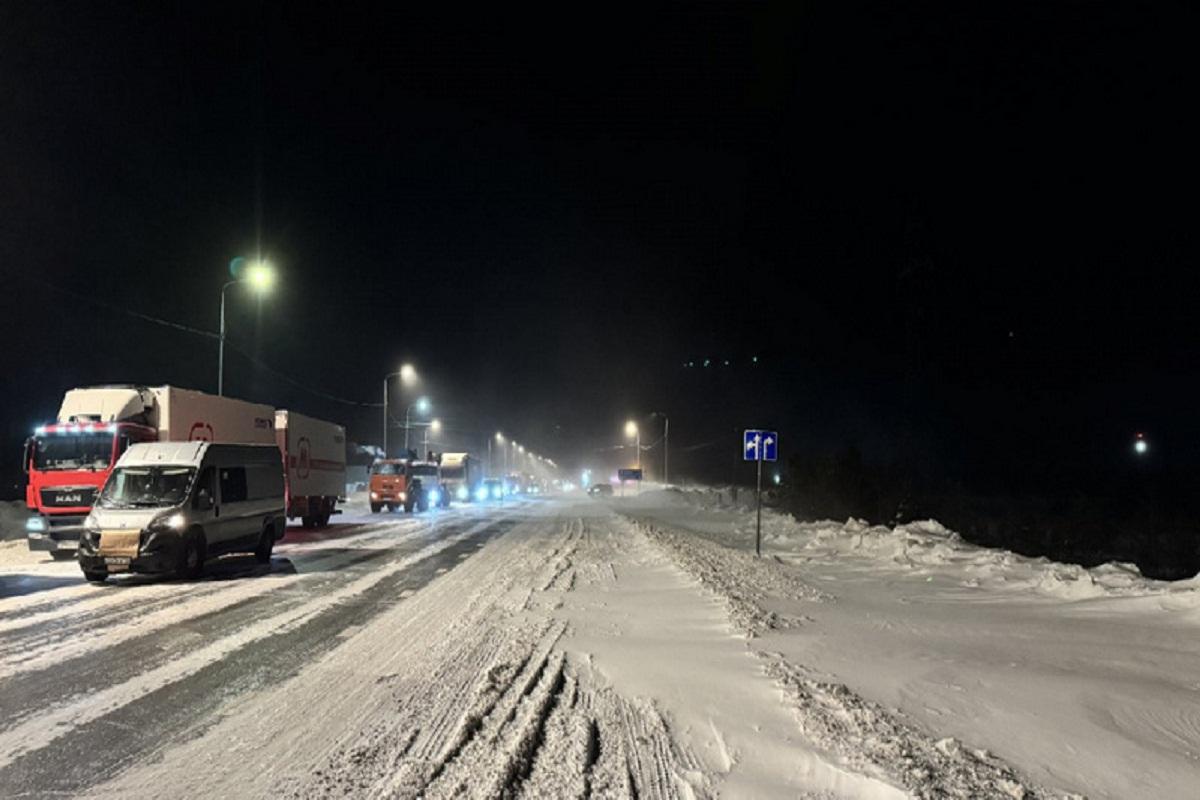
<point x="403" y="496"/>
<point x="462" y="493"/>
<point x="174" y="521"/>
<point x="497" y="492"/>
<point x="434" y="496"/>
<point x="35" y="524"/>
<point x="374" y="495"/>
<point x="481" y="493"/>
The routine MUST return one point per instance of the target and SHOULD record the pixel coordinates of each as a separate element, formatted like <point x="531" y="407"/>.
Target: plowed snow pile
<point x="1086" y="680"/>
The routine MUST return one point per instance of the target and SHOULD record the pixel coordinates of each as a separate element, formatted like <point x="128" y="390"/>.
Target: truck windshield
<point x="147" y="487"/>
<point x="75" y="451"/>
<point x="454" y="473"/>
<point x="424" y="469"/>
<point x="387" y="469"/>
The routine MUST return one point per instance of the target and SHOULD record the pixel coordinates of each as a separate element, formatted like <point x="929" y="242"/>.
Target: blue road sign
<point x="760" y="445"/>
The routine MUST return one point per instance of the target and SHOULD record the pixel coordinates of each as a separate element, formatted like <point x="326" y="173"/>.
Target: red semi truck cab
<point x="67" y="463"/>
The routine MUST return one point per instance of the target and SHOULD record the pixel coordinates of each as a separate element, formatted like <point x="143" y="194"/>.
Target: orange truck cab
<point x="389" y="484"/>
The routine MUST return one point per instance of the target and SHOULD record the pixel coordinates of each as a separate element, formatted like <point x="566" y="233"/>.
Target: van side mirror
<point x="204" y="501"/>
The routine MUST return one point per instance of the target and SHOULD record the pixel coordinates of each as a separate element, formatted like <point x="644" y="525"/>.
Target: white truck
<point x="314" y="459"/>
<point x="68" y="460"/>
<point x="461" y="475"/>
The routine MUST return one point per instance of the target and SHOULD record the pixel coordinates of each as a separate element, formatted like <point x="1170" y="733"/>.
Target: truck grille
<point x="68" y="497"/>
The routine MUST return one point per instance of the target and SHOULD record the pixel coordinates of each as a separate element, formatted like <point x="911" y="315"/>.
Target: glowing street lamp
<point x="1140" y="445"/>
<point x="408" y="376"/>
<point x="434" y="425"/>
<point x="633" y="432"/>
<point x="261" y="278"/>
<point x="422" y="407"/>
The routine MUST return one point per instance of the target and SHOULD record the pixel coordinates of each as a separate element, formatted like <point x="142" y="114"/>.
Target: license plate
<point x="116" y="563"/>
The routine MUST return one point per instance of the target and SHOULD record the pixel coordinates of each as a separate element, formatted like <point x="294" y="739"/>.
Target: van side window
<point x="205" y="482"/>
<point x="233" y="484"/>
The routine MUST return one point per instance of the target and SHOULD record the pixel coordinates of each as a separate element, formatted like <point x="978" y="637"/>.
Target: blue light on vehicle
<point x="40" y="430"/>
<point x="435" y="497"/>
<point x="481" y="493"/>
<point x="461" y="493"/>
<point x="35" y="524"/>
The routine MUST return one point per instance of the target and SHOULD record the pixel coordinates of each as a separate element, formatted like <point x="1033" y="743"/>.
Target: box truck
<point x="314" y="461"/>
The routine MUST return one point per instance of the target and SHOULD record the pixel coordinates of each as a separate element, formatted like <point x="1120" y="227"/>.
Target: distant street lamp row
<point x="261" y="277"/>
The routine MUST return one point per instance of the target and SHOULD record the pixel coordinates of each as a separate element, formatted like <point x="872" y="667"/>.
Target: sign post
<point x="759" y="446"/>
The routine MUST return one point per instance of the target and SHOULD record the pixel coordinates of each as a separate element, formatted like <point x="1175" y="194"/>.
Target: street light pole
<point x="221" y="344"/>
<point x="258" y="275"/>
<point x="666" y="445"/>
<point x="407" y="375"/>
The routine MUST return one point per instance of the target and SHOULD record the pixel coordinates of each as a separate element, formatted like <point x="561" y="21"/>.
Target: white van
<point x="170" y="506"/>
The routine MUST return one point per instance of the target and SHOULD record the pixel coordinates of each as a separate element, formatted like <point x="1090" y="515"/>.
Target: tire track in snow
<point x="104" y="730"/>
<point x="78" y="631"/>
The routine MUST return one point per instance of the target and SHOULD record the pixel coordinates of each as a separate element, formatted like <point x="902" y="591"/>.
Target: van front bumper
<point x="160" y="552"/>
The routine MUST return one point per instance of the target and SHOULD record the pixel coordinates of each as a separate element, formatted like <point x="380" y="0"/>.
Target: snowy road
<point x="559" y="648"/>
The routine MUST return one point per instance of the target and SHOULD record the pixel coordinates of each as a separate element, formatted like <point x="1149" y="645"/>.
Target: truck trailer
<point x="68" y="460"/>
<point x="314" y="460"/>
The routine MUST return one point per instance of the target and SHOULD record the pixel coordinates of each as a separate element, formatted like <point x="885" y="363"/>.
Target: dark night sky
<point x="954" y="233"/>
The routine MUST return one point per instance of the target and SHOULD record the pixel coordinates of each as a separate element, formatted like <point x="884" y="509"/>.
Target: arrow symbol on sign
<point x="753" y="444"/>
<point x="768" y="442"/>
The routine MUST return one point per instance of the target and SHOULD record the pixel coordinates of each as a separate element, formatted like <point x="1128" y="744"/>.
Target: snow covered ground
<point x="627" y="647"/>
<point x="1086" y="680"/>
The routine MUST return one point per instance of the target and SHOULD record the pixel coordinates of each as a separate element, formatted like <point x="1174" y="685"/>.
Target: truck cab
<point x="389" y="484"/>
<point x="67" y="463"/>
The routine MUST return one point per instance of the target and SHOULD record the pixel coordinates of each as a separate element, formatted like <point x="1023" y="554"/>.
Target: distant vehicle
<point x="425" y="487"/>
<point x="461" y="474"/>
<point x="314" y="461"/>
<point x="170" y="506"/>
<point x="490" y="489"/>
<point x="600" y="490"/>
<point x="388" y="484"/>
<point x="67" y="461"/>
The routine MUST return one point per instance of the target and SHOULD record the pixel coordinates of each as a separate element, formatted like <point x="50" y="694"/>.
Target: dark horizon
<point x="952" y="242"/>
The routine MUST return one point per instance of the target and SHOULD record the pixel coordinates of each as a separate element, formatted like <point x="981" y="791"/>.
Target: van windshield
<point x="147" y="487"/>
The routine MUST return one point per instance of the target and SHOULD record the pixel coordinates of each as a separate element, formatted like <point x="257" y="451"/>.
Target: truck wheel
<point x="323" y="519"/>
<point x="97" y="576"/>
<point x="408" y="508"/>
<point x="375" y="507"/>
<point x="266" y="543"/>
<point x="307" y="521"/>
<point x="191" y="562"/>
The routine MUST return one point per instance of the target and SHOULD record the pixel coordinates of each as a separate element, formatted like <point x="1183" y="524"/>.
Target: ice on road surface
<point x="625" y="647"/>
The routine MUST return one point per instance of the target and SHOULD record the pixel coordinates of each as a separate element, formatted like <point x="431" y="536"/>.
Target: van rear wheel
<point x="375" y="507"/>
<point x="97" y="576"/>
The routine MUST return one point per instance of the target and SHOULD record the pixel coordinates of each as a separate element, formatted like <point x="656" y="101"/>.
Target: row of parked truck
<point x="199" y="468"/>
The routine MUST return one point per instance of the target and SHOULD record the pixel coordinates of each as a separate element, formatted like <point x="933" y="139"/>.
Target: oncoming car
<point x="600" y="490"/>
<point x="490" y="489"/>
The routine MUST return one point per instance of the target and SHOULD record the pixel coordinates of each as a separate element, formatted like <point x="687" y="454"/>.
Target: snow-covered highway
<point x="570" y="647"/>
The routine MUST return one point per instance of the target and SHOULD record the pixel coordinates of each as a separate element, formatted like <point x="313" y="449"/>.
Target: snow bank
<point x="12" y="519"/>
<point x="921" y="548"/>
